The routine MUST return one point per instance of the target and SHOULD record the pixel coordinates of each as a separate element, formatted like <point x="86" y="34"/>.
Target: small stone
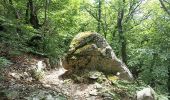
<point x="30" y="79"/>
<point x="106" y="95"/>
<point x="46" y="85"/>
<point x="12" y="74"/>
<point x="26" y="74"/>
<point x="93" y="92"/>
<point x="35" y="98"/>
<point x="98" y="86"/>
<point x="15" y="75"/>
<point x="94" y="75"/>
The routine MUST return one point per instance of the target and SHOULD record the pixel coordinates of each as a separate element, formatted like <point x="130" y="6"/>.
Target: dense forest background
<point x="138" y="31"/>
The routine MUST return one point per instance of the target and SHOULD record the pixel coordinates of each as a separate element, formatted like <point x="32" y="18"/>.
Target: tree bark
<point x="169" y="80"/>
<point x="121" y="33"/>
<point x="27" y="14"/>
<point x="99" y="16"/>
<point x="45" y="12"/>
<point x="168" y="83"/>
<point x="105" y="25"/>
<point x="33" y="15"/>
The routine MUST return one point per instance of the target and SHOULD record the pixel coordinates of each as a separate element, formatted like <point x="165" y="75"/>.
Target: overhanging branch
<point x="164" y="7"/>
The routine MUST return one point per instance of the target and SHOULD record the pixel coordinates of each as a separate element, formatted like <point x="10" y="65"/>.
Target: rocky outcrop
<point x="146" y="94"/>
<point x="89" y="50"/>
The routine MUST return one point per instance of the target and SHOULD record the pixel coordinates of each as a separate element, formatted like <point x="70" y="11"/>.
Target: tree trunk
<point x="169" y="78"/>
<point x="121" y="34"/>
<point x="33" y="16"/>
<point x="105" y="25"/>
<point x="45" y="12"/>
<point x="27" y="14"/>
<point x="14" y="10"/>
<point x="99" y="16"/>
<point x="153" y="64"/>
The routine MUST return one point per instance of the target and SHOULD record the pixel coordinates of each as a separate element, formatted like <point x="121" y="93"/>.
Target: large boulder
<point x="89" y="50"/>
<point x="146" y="94"/>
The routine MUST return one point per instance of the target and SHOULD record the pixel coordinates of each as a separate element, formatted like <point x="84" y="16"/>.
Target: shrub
<point x="4" y="62"/>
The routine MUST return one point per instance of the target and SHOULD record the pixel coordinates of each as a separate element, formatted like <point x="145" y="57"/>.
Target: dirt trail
<point x="18" y="84"/>
<point x="52" y="79"/>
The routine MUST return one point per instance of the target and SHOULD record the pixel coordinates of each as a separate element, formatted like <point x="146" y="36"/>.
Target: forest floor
<point x="18" y="83"/>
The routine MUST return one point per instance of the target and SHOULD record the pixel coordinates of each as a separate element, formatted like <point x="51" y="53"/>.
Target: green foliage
<point x="55" y="46"/>
<point x="129" y="87"/>
<point x="4" y="62"/>
<point x="162" y="97"/>
<point x="15" y="36"/>
<point x="125" y="90"/>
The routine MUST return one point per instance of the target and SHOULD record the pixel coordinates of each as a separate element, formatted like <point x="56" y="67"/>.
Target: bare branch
<point x="164" y="7"/>
<point x="166" y="2"/>
<point x="131" y="11"/>
<point x="93" y="15"/>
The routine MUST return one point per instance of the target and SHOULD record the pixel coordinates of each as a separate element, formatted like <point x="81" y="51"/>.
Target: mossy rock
<point x="89" y="50"/>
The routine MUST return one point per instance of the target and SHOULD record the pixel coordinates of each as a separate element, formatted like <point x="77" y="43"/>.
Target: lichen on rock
<point x="89" y="50"/>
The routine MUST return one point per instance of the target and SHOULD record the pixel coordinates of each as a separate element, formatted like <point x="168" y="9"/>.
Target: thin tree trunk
<point x="27" y="14"/>
<point x="33" y="16"/>
<point x="99" y="16"/>
<point x="169" y="78"/>
<point x="16" y="14"/>
<point x="105" y="26"/>
<point x="45" y="12"/>
<point x="121" y="34"/>
<point x="152" y="82"/>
